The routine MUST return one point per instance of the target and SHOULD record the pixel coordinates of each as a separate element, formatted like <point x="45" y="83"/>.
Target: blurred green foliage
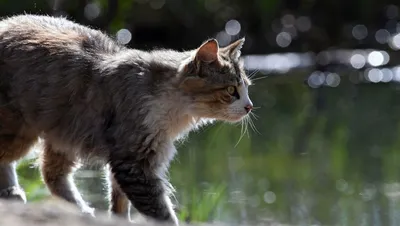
<point x="29" y="178"/>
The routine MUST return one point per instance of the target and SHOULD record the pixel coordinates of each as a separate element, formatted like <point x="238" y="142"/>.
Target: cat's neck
<point x="170" y="116"/>
<point x="170" y="111"/>
<point x="168" y="108"/>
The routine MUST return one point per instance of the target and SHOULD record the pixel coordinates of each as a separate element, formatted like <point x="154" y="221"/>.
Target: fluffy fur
<point x="88" y="97"/>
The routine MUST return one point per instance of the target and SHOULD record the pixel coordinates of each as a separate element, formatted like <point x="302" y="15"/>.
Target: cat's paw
<point x="88" y="211"/>
<point x="13" y="193"/>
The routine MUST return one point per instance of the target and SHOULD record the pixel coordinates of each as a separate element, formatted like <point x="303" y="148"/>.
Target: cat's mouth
<point x="236" y="115"/>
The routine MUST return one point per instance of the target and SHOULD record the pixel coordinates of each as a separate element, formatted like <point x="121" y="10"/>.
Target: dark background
<point x="325" y="149"/>
<point x="183" y="24"/>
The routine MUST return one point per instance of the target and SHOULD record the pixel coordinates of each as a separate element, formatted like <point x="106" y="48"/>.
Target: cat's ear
<point x="208" y="51"/>
<point x="233" y="49"/>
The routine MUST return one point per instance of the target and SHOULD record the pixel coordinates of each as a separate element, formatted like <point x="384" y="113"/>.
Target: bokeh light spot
<point x="360" y="32"/>
<point x="316" y="79"/>
<point x="357" y="61"/>
<point x="395" y="42"/>
<point x="382" y="36"/>
<point x="269" y="197"/>
<point x="232" y="27"/>
<point x="392" y="12"/>
<point x="92" y="11"/>
<point x="283" y="39"/>
<point x="387" y="75"/>
<point x="124" y="36"/>
<point x="223" y="38"/>
<point x="288" y="20"/>
<point x="332" y="80"/>
<point x="396" y="73"/>
<point x="375" y="58"/>
<point x="374" y="75"/>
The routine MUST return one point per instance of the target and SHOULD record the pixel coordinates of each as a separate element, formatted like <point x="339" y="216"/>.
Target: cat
<point x="88" y="97"/>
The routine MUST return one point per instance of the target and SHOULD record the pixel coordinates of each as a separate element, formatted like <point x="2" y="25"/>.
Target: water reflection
<point x="281" y="63"/>
<point x="287" y="61"/>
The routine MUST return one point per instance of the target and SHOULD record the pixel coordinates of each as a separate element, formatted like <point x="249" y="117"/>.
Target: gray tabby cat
<point x="90" y="98"/>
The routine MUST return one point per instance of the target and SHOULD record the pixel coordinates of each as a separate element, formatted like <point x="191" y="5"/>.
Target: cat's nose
<point x="248" y="108"/>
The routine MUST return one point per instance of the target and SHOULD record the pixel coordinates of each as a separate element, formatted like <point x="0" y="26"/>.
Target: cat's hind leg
<point x="12" y="148"/>
<point x="57" y="170"/>
<point x="9" y="186"/>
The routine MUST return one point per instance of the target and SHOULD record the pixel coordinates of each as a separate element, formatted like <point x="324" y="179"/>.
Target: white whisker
<point x="255" y="79"/>
<point x="243" y="130"/>
<point x="253" y="126"/>
<point x="255" y="116"/>
<point x="253" y="73"/>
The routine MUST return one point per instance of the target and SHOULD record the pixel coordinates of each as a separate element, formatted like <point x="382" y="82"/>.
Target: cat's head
<point x="216" y="82"/>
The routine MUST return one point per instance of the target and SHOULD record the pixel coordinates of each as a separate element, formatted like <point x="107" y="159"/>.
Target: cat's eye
<point x="231" y="90"/>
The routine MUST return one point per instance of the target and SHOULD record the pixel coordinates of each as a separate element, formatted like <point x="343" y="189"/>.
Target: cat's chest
<point x="165" y="154"/>
<point x="180" y="126"/>
<point x="169" y="117"/>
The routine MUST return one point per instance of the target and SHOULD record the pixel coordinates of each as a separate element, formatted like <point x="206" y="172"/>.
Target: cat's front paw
<point x="88" y="211"/>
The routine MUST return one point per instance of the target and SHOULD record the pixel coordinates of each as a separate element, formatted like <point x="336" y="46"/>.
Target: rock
<point x="56" y="212"/>
<point x="52" y="213"/>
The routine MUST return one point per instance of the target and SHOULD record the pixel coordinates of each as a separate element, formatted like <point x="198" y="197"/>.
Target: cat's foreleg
<point x="12" y="148"/>
<point x="144" y="187"/>
<point x="119" y="203"/>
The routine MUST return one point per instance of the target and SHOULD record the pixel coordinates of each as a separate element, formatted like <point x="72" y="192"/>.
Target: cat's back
<point x="30" y="22"/>
<point x="54" y="34"/>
